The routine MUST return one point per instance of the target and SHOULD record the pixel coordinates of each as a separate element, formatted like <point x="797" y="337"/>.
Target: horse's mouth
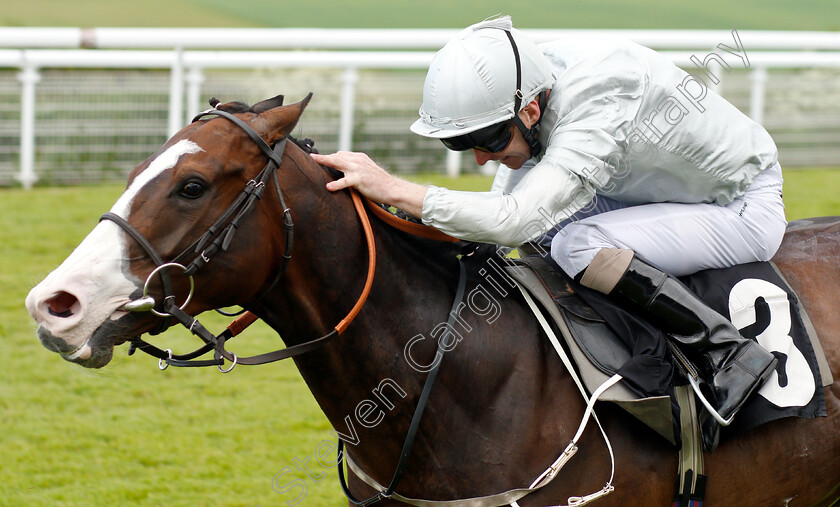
<point x="96" y="352"/>
<point x="90" y="354"/>
<point x="92" y="357"/>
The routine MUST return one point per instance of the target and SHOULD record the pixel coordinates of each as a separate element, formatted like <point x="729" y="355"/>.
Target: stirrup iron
<point x="691" y="374"/>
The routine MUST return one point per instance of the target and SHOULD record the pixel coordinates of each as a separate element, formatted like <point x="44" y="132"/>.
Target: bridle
<point x="217" y="238"/>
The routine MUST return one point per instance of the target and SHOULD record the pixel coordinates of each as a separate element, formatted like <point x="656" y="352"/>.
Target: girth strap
<point x="691" y="481"/>
<point x="418" y="411"/>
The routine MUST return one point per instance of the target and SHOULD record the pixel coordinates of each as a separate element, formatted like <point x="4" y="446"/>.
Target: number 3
<point x="775" y="338"/>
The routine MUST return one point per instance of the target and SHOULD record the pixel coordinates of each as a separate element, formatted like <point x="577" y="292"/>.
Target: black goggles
<point x="491" y="139"/>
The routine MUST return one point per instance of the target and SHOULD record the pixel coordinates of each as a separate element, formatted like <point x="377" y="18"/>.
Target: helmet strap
<point x="530" y="134"/>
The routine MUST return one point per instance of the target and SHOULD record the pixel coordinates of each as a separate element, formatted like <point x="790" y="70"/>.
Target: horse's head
<point x="193" y="185"/>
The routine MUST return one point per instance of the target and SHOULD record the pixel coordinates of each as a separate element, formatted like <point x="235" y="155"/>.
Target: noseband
<point x="218" y="238"/>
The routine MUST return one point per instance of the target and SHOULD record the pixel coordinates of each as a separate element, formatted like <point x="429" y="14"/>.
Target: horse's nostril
<point x="61" y="305"/>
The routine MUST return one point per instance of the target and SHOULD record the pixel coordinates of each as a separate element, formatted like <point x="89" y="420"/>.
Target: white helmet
<point x="472" y="80"/>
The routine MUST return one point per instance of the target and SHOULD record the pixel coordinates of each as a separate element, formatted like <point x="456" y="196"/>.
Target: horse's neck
<point x="411" y="294"/>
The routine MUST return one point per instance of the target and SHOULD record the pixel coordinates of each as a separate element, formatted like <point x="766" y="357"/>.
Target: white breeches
<point x="679" y="239"/>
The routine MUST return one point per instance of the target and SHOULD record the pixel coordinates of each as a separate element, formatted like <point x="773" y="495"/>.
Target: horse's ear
<point x="277" y="122"/>
<point x="265" y="105"/>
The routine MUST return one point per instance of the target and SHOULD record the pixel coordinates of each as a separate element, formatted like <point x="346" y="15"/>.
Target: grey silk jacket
<point x="624" y="122"/>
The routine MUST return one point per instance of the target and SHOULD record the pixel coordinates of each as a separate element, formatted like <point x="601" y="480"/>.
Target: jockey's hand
<point x="372" y="181"/>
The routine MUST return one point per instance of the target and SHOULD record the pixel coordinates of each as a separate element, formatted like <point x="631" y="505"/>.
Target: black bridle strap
<point x="418" y="411"/>
<point x="182" y="360"/>
<point x="277" y="355"/>
<point x="144" y="243"/>
<point x="288" y="227"/>
<point x="217" y="343"/>
<point x="245" y="202"/>
<point x="239" y="209"/>
<point x="241" y="206"/>
<point x="166" y="281"/>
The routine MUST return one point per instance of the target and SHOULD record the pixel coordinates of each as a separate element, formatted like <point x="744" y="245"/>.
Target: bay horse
<point x="503" y="407"/>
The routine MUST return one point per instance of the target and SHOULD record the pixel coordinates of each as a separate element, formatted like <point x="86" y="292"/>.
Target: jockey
<point x="630" y="177"/>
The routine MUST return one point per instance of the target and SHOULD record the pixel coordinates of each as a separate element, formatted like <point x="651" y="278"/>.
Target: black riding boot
<point x="731" y="365"/>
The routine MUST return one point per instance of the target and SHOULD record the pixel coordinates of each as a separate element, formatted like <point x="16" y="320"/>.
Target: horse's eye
<point x="192" y="190"/>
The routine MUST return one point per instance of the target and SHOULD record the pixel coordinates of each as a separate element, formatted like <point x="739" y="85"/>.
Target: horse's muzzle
<point x="87" y="355"/>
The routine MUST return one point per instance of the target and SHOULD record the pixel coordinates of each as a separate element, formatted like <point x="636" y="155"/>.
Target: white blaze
<point x="164" y="161"/>
<point x="94" y="273"/>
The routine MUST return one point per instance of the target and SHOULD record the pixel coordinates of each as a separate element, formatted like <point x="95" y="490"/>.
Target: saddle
<point x="602" y="347"/>
<point x="595" y="348"/>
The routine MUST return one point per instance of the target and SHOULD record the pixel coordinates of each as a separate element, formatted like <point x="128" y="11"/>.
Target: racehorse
<point x="503" y="406"/>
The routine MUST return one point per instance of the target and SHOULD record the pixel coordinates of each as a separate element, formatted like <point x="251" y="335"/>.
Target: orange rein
<point x="423" y="231"/>
<point x="360" y="210"/>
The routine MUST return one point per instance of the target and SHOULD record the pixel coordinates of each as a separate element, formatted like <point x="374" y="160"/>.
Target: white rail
<point x="186" y="63"/>
<point x="418" y="39"/>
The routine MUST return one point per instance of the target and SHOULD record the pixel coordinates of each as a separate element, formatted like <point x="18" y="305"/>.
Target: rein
<point x="423" y="231"/>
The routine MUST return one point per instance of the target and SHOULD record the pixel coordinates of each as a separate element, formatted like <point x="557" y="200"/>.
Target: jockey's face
<point x="517" y="152"/>
<point x="514" y="155"/>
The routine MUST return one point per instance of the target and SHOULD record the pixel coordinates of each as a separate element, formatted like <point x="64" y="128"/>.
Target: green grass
<point x="811" y="193"/>
<point x="132" y="435"/>
<point x="711" y="14"/>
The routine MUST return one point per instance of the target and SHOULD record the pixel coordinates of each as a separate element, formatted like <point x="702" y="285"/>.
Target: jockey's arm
<point x="375" y="183"/>
<point x="546" y="196"/>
